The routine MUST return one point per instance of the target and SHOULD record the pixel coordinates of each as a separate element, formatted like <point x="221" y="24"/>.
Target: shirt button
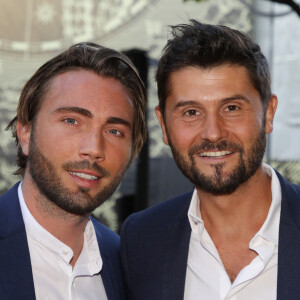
<point x="65" y="252"/>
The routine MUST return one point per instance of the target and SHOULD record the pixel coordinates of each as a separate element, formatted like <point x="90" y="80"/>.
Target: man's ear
<point x="270" y="113"/>
<point x="160" y="117"/>
<point x="24" y="132"/>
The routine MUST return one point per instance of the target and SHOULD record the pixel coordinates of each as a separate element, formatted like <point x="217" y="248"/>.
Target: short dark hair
<point x="88" y="56"/>
<point x="208" y="46"/>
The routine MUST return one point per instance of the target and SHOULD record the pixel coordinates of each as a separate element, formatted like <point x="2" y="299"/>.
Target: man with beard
<point x="79" y="124"/>
<point x="236" y="236"/>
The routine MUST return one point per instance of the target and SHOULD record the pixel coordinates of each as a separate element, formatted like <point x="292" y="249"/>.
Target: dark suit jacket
<point x="155" y="245"/>
<point x="16" y="281"/>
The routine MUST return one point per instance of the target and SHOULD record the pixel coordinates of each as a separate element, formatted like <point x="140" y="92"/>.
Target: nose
<point x="213" y="128"/>
<point x="92" y="146"/>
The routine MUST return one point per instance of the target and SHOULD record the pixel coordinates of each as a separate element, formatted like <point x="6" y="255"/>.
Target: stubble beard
<point x="51" y="187"/>
<point x="220" y="182"/>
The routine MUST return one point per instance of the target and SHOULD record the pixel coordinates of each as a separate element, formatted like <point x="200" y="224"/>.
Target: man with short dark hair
<point x="236" y="236"/>
<point x="80" y="122"/>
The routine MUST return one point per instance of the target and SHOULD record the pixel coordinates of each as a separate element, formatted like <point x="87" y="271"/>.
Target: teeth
<point x="215" y="153"/>
<point x="84" y="176"/>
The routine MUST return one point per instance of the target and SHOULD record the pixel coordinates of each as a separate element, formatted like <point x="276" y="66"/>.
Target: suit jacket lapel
<point x="107" y="277"/>
<point x="16" y="274"/>
<point x="111" y="270"/>
<point x="288" y="285"/>
<point x="176" y="255"/>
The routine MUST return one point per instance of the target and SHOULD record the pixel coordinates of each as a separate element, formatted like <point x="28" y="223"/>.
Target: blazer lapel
<point x="16" y="274"/>
<point x="176" y="255"/>
<point x="288" y="284"/>
<point x="111" y="270"/>
<point x="108" y="278"/>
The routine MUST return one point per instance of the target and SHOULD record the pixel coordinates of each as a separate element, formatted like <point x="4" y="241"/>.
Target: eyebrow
<point x="116" y="120"/>
<point x="185" y="103"/>
<point x="87" y="113"/>
<point x="76" y="109"/>
<point x="193" y="102"/>
<point x="236" y="97"/>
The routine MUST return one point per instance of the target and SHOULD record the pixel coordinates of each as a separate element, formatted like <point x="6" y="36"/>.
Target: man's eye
<point x="191" y="112"/>
<point x="115" y="132"/>
<point x="71" y="121"/>
<point x="232" y="108"/>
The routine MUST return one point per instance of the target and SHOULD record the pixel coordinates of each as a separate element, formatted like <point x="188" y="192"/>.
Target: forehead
<point x="88" y="90"/>
<point x="217" y="82"/>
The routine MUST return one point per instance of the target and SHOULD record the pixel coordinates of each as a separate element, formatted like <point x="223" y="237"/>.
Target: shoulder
<point x="147" y="238"/>
<point x="11" y="193"/>
<point x="169" y="208"/>
<point x="9" y="200"/>
<point x="287" y="187"/>
<point x="11" y="220"/>
<point x="162" y="213"/>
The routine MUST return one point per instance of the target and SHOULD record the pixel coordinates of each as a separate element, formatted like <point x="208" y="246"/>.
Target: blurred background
<point x="33" y="31"/>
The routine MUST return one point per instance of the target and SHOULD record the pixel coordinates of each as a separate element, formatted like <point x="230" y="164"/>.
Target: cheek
<point x="183" y="135"/>
<point x="245" y="132"/>
<point x="118" y="151"/>
<point x="118" y="159"/>
<point x="52" y="145"/>
<point x="127" y="152"/>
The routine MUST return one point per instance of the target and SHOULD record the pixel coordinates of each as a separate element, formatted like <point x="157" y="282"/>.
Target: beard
<point x="220" y="183"/>
<point x="50" y="184"/>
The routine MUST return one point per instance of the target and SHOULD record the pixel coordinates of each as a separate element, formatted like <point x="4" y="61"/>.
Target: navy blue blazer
<point x="16" y="281"/>
<point x="155" y="245"/>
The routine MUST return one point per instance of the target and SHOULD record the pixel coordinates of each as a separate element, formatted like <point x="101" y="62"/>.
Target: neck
<point x="66" y="227"/>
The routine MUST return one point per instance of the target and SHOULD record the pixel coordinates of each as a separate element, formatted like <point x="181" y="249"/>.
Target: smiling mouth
<point x="215" y="154"/>
<point x="84" y="176"/>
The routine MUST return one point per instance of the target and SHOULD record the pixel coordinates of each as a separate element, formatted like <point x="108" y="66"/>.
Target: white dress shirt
<point x="54" y="278"/>
<point x="206" y="276"/>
